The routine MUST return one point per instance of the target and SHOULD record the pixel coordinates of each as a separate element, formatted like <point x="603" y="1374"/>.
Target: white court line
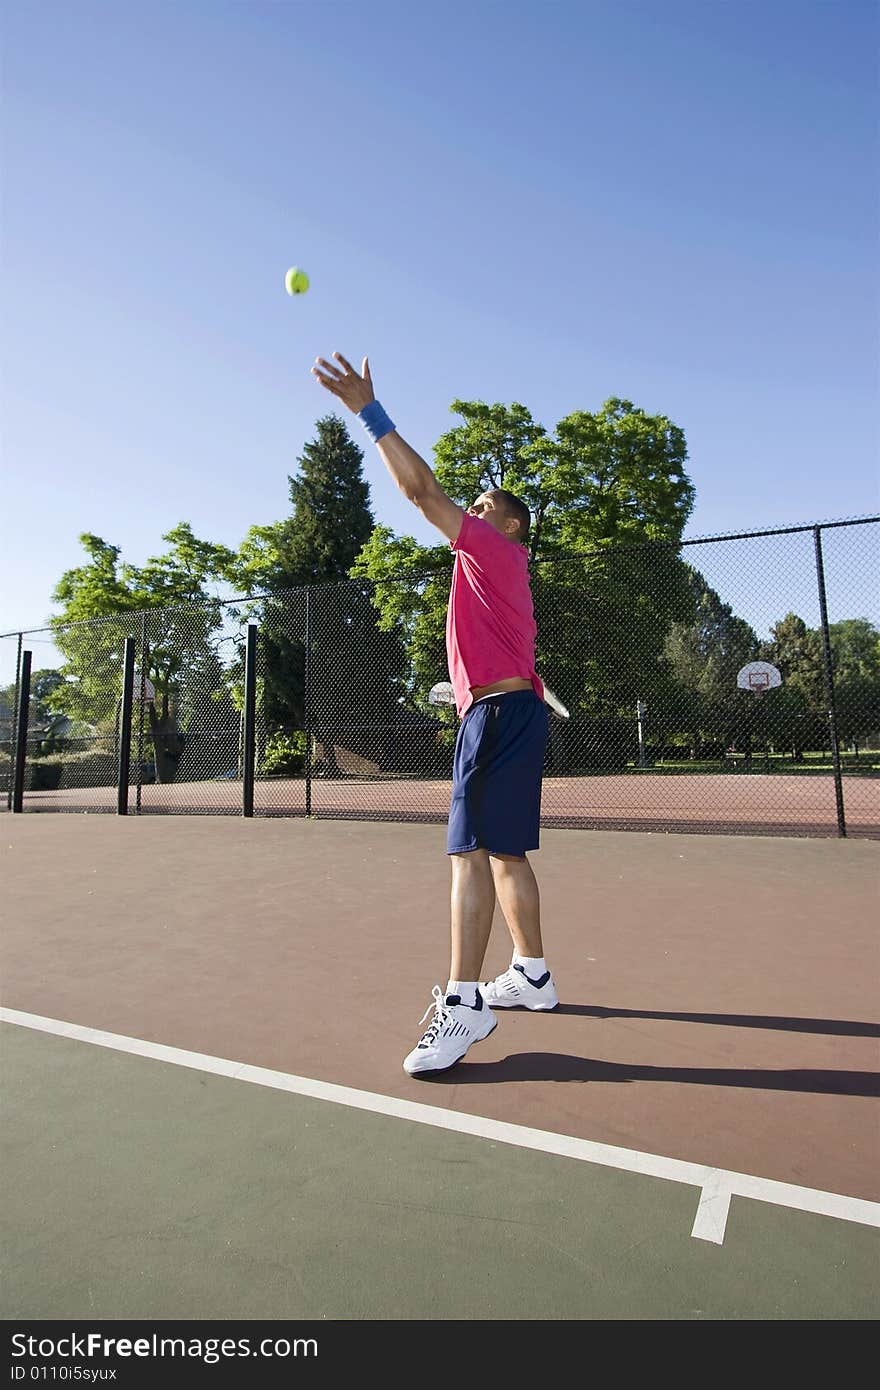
<point x="717" y="1185"/>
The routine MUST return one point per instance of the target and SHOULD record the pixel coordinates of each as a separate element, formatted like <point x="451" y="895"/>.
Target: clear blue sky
<point x="673" y="201"/>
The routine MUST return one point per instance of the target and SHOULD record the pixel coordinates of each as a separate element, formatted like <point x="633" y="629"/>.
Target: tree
<point x="855" y="650"/>
<point x="40" y="713"/>
<point x="44" y="683"/>
<point x="704" y="656"/>
<point x="316" y="546"/>
<point x="502" y="446"/>
<point x="103" y="604"/>
<point x="330" y="521"/>
<point x="855" y="656"/>
<point x="797" y="651"/>
<point x="630" y="477"/>
<point x="602" y="483"/>
<point x="799" y="707"/>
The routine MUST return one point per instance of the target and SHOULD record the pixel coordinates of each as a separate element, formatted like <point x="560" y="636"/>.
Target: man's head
<point x="504" y="512"/>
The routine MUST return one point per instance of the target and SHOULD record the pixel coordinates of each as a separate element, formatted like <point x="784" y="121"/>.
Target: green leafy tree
<point x="855" y="655"/>
<point x="502" y="446"/>
<point x="629" y="472"/>
<point x="797" y="712"/>
<point x="802" y="704"/>
<point x="44" y="683"/>
<point x="603" y="482"/>
<point x="7" y="711"/>
<point x="798" y="715"/>
<point x="704" y="656"/>
<point x="797" y="651"/>
<point x="855" y="650"/>
<point x="103" y="602"/>
<point x="41" y="715"/>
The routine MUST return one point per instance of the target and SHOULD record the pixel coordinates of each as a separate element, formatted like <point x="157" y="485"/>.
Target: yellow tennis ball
<point x="296" y="281"/>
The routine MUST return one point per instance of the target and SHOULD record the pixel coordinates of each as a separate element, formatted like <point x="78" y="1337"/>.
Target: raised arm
<point x="408" y="469"/>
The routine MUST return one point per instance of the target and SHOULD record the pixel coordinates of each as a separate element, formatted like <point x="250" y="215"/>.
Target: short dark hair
<point x="517" y="509"/>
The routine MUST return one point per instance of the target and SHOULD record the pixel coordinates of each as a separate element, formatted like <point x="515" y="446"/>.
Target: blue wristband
<point x="375" y="421"/>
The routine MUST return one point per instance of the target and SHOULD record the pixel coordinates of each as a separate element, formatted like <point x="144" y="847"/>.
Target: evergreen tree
<point x="316" y="545"/>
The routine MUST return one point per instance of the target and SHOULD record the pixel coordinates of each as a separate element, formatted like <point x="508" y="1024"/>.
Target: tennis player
<point x="499" y="751"/>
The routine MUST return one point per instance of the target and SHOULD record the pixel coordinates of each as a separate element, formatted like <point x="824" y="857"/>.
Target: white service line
<point x="716" y="1185"/>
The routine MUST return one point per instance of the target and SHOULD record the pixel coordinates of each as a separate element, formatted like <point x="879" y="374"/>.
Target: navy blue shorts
<point x="496" y="781"/>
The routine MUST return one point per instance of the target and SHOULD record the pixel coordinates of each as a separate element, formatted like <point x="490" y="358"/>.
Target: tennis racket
<point x="442" y="694"/>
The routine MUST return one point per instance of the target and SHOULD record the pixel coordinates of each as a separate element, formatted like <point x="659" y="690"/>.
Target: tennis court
<point x="204" y="1020"/>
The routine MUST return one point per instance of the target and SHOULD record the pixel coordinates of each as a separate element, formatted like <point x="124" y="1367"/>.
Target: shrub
<point x="284" y="754"/>
<point x="43" y="774"/>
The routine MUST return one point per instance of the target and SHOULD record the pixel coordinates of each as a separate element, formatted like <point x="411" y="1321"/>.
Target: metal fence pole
<point x="21" y="731"/>
<point x="142" y="709"/>
<point x="829" y="682"/>
<point x="124" y="763"/>
<point x="641" y="707"/>
<point x="307" y="700"/>
<point x="250" y="720"/>
<point x="14" y="721"/>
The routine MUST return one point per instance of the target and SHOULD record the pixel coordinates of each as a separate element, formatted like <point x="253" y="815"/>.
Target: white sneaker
<point x="514" y="990"/>
<point x="451" y="1031"/>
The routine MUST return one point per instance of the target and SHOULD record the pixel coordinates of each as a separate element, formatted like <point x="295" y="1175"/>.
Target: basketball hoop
<point x="441" y="694"/>
<point x="758" y="676"/>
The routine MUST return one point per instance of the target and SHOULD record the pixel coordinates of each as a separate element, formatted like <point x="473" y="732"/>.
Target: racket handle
<point x="555" y="703"/>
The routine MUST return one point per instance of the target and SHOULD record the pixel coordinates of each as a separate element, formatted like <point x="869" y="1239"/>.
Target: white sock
<point x="465" y="989"/>
<point x="534" y="967"/>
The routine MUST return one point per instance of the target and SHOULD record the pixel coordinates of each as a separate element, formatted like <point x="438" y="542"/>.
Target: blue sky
<point x="672" y="201"/>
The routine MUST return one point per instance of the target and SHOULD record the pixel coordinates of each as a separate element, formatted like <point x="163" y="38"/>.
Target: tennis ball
<point x="296" y="281"/>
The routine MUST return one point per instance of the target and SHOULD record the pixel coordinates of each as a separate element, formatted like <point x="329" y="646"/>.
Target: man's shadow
<point x="557" y="1066"/>
<point x="838" y="1027"/>
<point x="560" y="1066"/>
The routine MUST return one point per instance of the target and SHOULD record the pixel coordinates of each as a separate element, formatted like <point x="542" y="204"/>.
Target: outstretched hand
<point x="343" y="381"/>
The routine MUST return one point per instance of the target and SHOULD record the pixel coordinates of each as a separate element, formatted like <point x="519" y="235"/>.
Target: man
<point x="499" y="752"/>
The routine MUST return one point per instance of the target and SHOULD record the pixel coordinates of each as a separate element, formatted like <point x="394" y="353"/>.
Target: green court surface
<point x="152" y="1191"/>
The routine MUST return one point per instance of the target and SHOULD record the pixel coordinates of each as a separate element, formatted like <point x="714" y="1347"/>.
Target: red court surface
<point x="729" y="803"/>
<point x="719" y="994"/>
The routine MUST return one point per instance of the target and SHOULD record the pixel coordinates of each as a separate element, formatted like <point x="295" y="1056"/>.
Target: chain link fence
<point x="645" y="645"/>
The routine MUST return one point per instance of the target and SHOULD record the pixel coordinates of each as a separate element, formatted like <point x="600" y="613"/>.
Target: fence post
<point x="142" y="709"/>
<point x="250" y="721"/>
<point x="641" y="707"/>
<point x="14" y="724"/>
<point x="307" y="700"/>
<point x="124" y="764"/>
<point x="21" y="731"/>
<point x="829" y="682"/>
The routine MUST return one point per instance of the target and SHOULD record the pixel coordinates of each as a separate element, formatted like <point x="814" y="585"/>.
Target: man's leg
<point x="473" y="905"/>
<point x="461" y="1016"/>
<point x="517" y="890"/>
<point x="527" y="983"/>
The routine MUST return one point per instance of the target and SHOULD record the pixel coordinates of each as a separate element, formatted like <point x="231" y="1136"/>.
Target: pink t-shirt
<point x="490" y="622"/>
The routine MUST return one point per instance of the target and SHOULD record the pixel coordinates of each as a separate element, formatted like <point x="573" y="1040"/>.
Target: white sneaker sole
<point x="429" y="1069"/>
<point x="541" y="1004"/>
<point x="521" y="1004"/>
